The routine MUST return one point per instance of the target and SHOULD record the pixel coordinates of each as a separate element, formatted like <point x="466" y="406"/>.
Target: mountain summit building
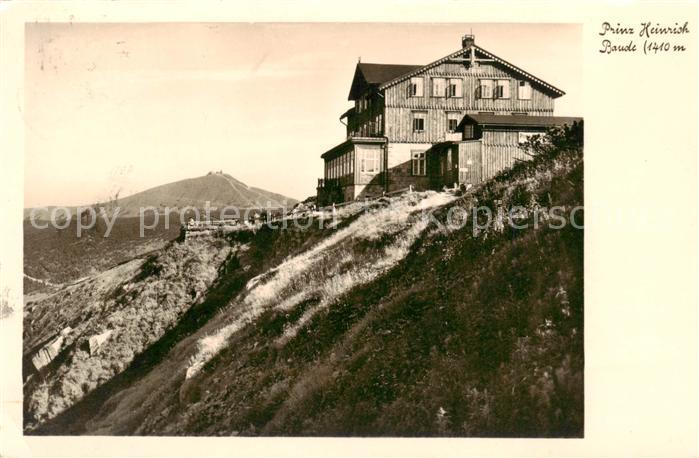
<point x="458" y="120"/>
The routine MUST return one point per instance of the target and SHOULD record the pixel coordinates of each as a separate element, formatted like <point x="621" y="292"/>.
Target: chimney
<point x="467" y="41"/>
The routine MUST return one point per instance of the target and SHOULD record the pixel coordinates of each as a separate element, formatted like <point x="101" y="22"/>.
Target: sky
<point x="124" y="107"/>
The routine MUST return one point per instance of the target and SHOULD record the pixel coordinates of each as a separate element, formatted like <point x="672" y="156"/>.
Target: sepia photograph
<point x="303" y="229"/>
<point x="369" y="229"/>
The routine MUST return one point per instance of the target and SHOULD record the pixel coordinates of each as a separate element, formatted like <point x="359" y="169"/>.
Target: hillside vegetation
<point x="59" y="256"/>
<point x="131" y="305"/>
<point x="389" y="323"/>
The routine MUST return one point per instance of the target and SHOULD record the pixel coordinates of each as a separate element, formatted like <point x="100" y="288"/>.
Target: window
<point x="502" y="90"/>
<point x="455" y="88"/>
<point x="468" y="132"/>
<point x="451" y="125"/>
<point x="415" y="88"/>
<point x="486" y="89"/>
<point x="418" y="122"/>
<point x="439" y="87"/>
<point x="419" y="163"/>
<point x="452" y="121"/>
<point x="370" y="161"/>
<point x="525" y="90"/>
<point x="525" y="136"/>
<point x="363" y="104"/>
<point x="520" y="113"/>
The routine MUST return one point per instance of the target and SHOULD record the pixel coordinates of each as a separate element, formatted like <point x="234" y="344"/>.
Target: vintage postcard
<point x="442" y="229"/>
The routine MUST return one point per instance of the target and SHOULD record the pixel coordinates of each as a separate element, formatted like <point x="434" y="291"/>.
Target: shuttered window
<point x="418" y="122"/>
<point x="416" y="87"/>
<point x="486" y="89"/>
<point x="439" y="87"/>
<point x="503" y="89"/>
<point x="419" y="163"/>
<point x="525" y="90"/>
<point x="455" y="88"/>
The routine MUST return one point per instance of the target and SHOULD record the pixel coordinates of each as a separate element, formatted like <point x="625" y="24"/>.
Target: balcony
<point x="366" y="131"/>
<point x="372" y="127"/>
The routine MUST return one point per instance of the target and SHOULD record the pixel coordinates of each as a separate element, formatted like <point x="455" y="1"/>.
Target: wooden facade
<point x="503" y="149"/>
<point x="399" y="106"/>
<point x="409" y="110"/>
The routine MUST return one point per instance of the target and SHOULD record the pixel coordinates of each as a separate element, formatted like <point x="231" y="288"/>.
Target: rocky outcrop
<point x="95" y="342"/>
<point x="48" y="352"/>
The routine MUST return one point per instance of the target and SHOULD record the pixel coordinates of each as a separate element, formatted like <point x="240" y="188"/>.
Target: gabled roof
<point x="546" y="86"/>
<point x="381" y="73"/>
<point x="518" y="120"/>
<point x="366" y="75"/>
<point x="347" y="113"/>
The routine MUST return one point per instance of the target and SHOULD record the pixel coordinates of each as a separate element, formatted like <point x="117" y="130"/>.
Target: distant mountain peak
<point x="217" y="188"/>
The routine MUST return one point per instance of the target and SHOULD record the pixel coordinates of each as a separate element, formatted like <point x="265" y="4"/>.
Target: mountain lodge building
<point x="458" y="120"/>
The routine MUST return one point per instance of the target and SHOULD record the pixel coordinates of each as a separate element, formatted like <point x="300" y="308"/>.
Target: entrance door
<point x="470" y="166"/>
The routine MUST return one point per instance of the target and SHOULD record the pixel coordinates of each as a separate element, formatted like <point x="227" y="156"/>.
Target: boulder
<point x="95" y="342"/>
<point x="48" y="352"/>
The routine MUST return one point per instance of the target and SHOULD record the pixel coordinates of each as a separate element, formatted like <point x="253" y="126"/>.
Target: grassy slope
<point x="468" y="335"/>
<point x="454" y="341"/>
<point x="265" y="249"/>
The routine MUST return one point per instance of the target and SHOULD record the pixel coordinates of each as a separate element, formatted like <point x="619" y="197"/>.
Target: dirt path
<point x="43" y="282"/>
